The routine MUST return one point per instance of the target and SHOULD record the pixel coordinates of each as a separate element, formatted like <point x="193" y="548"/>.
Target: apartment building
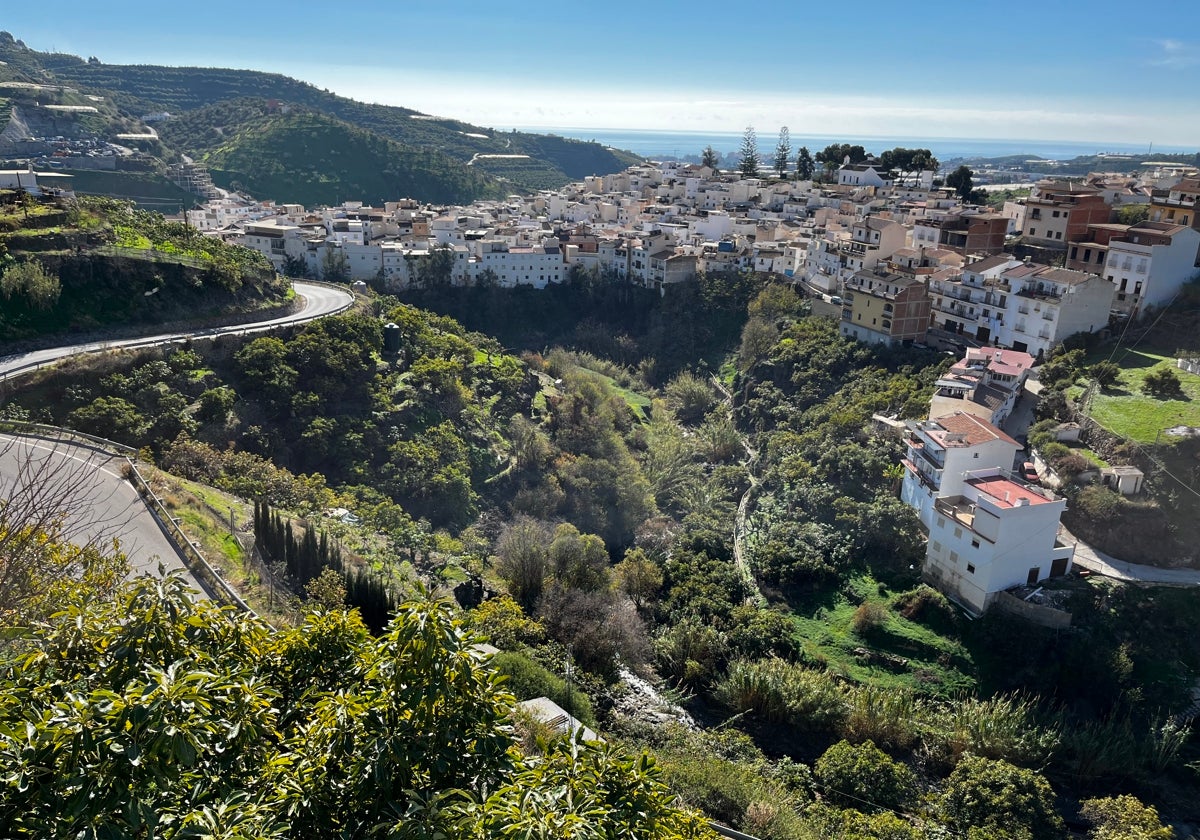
<point x="1046" y="305"/>
<point x="1061" y="211"/>
<point x="964" y="230"/>
<point x="1149" y="263"/>
<point x="1177" y="205"/>
<point x="880" y="307"/>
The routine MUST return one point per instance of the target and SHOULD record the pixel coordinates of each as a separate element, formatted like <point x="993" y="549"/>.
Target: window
<point x="958" y="533"/>
<point x="954" y="557"/>
<point x="974" y="543"/>
<point x="971" y="568"/>
<point x="937" y="547"/>
<point x="941" y="522"/>
<point x="1033" y="231"/>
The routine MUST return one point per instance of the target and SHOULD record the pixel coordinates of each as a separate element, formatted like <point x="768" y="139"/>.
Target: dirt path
<point x="739" y="524"/>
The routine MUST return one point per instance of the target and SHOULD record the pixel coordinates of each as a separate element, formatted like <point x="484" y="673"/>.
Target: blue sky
<point x="1055" y="70"/>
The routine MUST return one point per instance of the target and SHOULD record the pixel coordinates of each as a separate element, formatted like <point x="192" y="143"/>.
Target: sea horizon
<point x="658" y="143"/>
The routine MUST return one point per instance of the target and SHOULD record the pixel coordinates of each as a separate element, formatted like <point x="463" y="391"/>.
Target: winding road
<point x="319" y="301"/>
<point x="97" y="503"/>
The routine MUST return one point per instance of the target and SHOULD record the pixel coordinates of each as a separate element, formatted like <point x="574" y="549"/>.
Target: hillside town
<point x="905" y="260"/>
<point x="897" y="259"/>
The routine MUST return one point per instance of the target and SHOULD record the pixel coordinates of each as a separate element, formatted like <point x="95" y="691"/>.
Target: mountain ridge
<point x="451" y="146"/>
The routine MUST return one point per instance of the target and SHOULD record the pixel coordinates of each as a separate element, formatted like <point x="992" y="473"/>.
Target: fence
<point x="188" y="552"/>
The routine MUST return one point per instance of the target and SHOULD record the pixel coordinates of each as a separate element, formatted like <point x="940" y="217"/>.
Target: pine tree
<point x="709" y="158"/>
<point x="783" y="151"/>
<point x="749" y="162"/>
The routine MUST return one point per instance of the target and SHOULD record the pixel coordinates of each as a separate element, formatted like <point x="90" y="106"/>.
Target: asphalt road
<point x="99" y="504"/>
<point x="318" y="301"/>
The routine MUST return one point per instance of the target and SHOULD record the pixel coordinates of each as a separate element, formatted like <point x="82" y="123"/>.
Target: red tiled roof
<point x="973" y="429"/>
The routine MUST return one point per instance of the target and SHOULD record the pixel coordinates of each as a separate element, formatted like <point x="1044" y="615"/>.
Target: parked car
<point x="1029" y="473"/>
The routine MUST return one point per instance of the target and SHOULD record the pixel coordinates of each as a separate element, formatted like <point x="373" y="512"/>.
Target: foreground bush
<point x="153" y="715"/>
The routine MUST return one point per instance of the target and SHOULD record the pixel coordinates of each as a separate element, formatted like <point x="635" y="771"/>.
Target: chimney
<point x="1023" y="501"/>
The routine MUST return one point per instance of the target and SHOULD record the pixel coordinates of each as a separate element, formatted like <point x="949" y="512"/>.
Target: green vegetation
<point x="312" y="159"/>
<point x="582" y="502"/>
<point x="1128" y="409"/>
<point x="244" y="119"/>
<point x="211" y="724"/>
<point x="105" y="264"/>
<point x="147" y="190"/>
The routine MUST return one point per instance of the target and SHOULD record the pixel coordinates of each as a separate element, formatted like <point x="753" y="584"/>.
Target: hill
<point x="130" y="91"/>
<point x="310" y="158"/>
<point x="99" y="264"/>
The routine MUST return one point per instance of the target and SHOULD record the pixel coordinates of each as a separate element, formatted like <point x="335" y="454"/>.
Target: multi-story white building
<point x="1046" y="305"/>
<point x="1150" y="263"/>
<point x="995" y="532"/>
<point x="941" y="452"/>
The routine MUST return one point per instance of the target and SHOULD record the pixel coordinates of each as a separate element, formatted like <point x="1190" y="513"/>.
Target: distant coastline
<point x="654" y="144"/>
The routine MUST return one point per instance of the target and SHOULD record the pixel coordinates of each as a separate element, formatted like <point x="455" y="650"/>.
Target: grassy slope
<point x="1126" y="411"/>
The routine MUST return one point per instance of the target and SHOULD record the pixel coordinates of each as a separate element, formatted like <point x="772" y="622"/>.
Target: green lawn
<point x="1126" y="411"/>
<point x="901" y="653"/>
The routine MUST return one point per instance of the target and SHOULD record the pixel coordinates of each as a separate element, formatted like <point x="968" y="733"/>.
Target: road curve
<point x="85" y="486"/>
<point x="318" y="300"/>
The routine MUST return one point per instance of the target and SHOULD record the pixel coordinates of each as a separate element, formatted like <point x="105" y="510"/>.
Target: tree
<point x="749" y="161"/>
<point x="1162" y="383"/>
<point x="1106" y="374"/>
<point x="1124" y="818"/>
<point x="1131" y="214"/>
<point x="836" y="154"/>
<point x="522" y="560"/>
<point x="215" y="404"/>
<point x="864" y="777"/>
<point x="639" y="576"/>
<point x="327" y="589"/>
<point x="998" y="796"/>
<point x="335" y="268"/>
<point x="783" y="151"/>
<point x="30" y="280"/>
<point x="709" y="158"/>
<point x="804" y="164"/>
<point x="211" y="724"/>
<point x="961" y="180"/>
<point x="908" y="162"/>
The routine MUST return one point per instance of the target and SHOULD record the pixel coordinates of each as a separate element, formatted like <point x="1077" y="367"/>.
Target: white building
<point x="987" y="382"/>
<point x="1150" y="263"/>
<point x="1046" y="305"/>
<point x="992" y="534"/>
<point x="941" y="452"/>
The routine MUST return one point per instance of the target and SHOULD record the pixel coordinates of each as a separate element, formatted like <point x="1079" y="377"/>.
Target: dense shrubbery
<point x="208" y="723"/>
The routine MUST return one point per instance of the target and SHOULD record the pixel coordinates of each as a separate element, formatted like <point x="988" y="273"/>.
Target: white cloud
<point x="1176" y="54"/>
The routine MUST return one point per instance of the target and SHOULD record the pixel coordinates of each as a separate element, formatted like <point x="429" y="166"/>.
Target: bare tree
<point x="59" y="526"/>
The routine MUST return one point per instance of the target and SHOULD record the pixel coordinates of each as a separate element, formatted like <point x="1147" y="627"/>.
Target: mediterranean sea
<point x="677" y="144"/>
